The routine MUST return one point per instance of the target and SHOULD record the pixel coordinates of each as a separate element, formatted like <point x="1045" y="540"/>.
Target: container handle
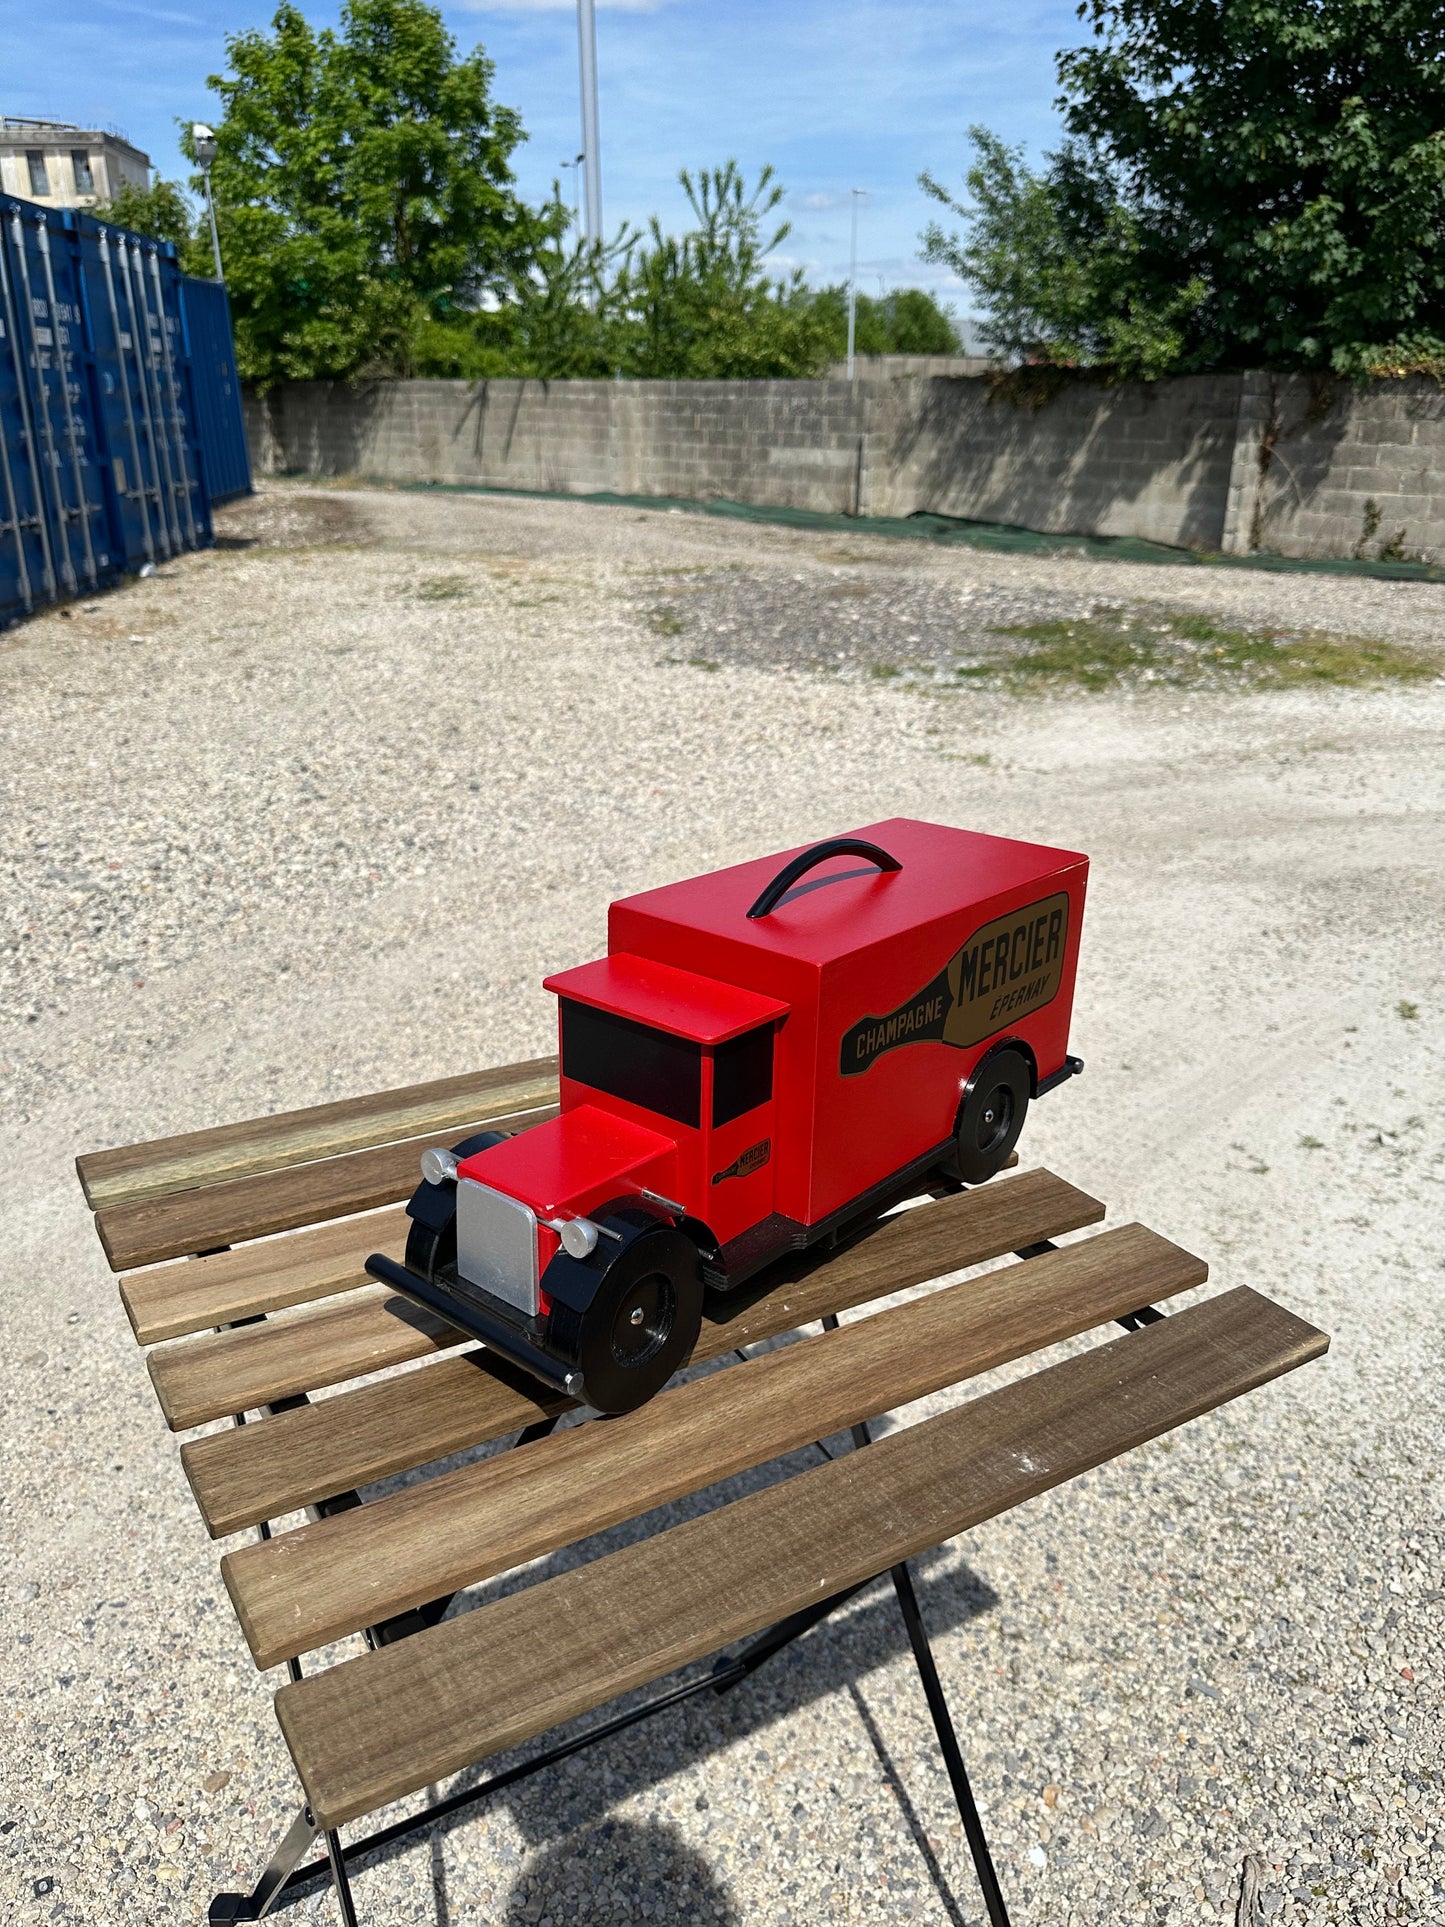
<point x="820" y="852"/>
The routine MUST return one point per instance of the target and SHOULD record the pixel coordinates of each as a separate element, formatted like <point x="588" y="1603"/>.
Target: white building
<point x="63" y="166"/>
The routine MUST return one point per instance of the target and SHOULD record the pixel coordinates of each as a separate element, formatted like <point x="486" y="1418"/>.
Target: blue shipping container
<point x="118" y="401"/>
<point x="211" y="353"/>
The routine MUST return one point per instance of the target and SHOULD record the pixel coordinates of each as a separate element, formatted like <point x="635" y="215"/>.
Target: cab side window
<point x="742" y="1074"/>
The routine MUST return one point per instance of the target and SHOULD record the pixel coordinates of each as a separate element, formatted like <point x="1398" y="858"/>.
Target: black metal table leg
<point x="949" y="1747"/>
<point x="338" y="1878"/>
<point x="938" y="1705"/>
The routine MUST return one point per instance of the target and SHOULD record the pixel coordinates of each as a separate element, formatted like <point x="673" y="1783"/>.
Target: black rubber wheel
<point x="992" y="1115"/>
<point x="643" y="1322"/>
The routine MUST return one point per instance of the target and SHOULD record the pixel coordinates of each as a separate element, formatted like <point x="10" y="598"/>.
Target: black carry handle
<point x="820" y="852"/>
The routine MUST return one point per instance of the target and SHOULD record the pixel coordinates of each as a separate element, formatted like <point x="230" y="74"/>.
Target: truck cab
<point x="762" y="1056"/>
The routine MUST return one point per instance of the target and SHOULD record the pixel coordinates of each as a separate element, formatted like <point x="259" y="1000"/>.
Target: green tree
<point x="1063" y="267"/>
<point x="559" y="320"/>
<point x="702" y="305"/>
<point x="907" y="322"/>
<point x="363" y="189"/>
<point x="161" y="211"/>
<point x="647" y="304"/>
<point x="1241" y="182"/>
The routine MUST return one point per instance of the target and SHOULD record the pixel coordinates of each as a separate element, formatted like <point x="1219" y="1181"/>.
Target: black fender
<point x="1020" y="1048"/>
<point x="432" y="1209"/>
<point x="572" y="1284"/>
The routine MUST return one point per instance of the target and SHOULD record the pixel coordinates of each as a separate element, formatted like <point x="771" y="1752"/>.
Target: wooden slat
<point x="374" y="1431"/>
<point x="239" y="1371"/>
<point x="379" y="1727"/>
<point x="306" y="1588"/>
<point x="297" y="1137"/>
<point x="154" y="1229"/>
<point x="197" y="1294"/>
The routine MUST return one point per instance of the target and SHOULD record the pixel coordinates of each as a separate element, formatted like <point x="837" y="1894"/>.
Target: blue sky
<point x="835" y="93"/>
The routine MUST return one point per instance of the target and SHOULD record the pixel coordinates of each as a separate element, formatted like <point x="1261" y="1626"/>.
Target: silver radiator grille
<point x="497" y="1244"/>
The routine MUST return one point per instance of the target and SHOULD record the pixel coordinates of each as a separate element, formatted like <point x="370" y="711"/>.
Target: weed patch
<point x="443" y="588"/>
<point x="1178" y="649"/>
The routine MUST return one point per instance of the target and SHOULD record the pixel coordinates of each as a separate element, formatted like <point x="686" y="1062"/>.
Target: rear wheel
<point x="643" y="1322"/>
<point x="992" y="1115"/>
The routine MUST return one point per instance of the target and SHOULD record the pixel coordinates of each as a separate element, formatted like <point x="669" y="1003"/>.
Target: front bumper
<point x="460" y="1307"/>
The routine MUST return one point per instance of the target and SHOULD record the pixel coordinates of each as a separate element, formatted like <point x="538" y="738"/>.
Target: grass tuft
<point x="443" y="588"/>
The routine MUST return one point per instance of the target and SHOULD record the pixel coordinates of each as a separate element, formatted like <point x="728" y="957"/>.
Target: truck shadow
<point x="620" y="1864"/>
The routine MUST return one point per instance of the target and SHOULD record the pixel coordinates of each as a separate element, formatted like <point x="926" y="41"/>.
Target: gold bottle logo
<point x="746" y="1162"/>
<point x="1007" y="970"/>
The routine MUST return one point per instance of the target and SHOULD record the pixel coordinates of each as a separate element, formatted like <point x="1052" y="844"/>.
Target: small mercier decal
<point x="1007" y="970"/>
<point x="746" y="1162"/>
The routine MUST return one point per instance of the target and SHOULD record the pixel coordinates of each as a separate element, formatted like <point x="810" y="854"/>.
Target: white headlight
<point x="579" y="1237"/>
<point x="438" y="1166"/>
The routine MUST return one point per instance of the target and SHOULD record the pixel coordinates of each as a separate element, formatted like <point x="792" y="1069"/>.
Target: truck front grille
<point x="497" y="1245"/>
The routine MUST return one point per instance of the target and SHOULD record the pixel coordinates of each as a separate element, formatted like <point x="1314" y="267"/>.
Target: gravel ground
<point x="313" y="813"/>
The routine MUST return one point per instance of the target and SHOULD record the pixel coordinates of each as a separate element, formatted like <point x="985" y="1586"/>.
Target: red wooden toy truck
<point x="763" y="1055"/>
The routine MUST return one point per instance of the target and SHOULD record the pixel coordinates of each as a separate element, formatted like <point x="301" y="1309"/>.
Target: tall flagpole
<point x="591" y="140"/>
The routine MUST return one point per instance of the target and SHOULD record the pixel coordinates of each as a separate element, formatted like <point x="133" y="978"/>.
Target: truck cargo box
<point x="896" y="984"/>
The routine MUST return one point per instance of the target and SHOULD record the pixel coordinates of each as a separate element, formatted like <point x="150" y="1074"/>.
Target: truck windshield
<point x="625" y="1059"/>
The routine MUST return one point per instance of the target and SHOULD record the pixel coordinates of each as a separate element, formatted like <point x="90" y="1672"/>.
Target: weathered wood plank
<point x="239" y="1371"/>
<point x="272" y="1274"/>
<point x="306" y="1588"/>
<point x="373" y="1431"/>
<point x="377" y="1728"/>
<point x="153" y="1229"/>
<point x="200" y="1158"/>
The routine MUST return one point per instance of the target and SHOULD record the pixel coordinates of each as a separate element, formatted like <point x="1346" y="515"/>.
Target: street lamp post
<point x="591" y="147"/>
<point x="858" y="193"/>
<point x="203" y="141"/>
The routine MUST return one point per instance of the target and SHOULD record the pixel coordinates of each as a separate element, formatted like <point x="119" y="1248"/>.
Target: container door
<point x="43" y="312"/>
<point x="219" y="424"/>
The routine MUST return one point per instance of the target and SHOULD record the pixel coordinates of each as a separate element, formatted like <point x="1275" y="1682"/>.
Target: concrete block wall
<point x="1328" y="469"/>
<point x="900" y="367"/>
<point x="795" y="441"/>
<point x="1231" y="462"/>
<point x="1129" y="458"/>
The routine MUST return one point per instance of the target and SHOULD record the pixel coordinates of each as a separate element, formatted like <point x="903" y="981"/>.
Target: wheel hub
<point x="644" y="1320"/>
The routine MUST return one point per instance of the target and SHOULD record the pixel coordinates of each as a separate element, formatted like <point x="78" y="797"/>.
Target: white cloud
<point x="820" y="200"/>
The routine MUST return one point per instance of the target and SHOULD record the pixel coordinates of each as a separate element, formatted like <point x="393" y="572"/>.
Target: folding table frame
<point x="252" y="1323"/>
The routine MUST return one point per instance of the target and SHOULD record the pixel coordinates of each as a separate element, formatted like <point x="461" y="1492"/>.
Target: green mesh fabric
<point x="1001" y="537"/>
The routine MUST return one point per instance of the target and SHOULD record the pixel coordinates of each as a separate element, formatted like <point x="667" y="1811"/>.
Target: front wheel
<point x="643" y="1322"/>
<point x="992" y="1115"/>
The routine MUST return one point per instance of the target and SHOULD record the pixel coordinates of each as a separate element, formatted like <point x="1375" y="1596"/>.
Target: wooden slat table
<point x="252" y="1331"/>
